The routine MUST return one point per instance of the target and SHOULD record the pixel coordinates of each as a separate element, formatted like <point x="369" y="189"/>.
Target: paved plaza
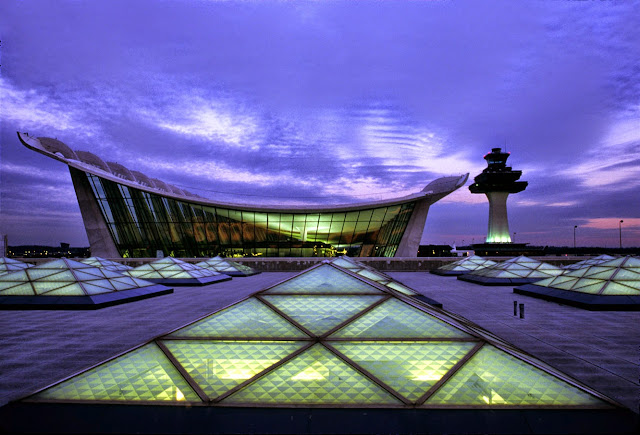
<point x="600" y="349"/>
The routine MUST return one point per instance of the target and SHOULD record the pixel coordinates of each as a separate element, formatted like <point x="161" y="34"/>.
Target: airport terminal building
<point x="128" y="214"/>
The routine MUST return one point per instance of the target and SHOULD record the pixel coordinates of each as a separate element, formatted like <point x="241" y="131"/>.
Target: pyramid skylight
<point x="372" y="274"/>
<point x="172" y="271"/>
<point x="518" y="270"/>
<point x="228" y="267"/>
<point x="590" y="262"/>
<point x="326" y="338"/>
<point x="106" y="264"/>
<point x="614" y="284"/>
<point x="465" y="265"/>
<point x="9" y="265"/>
<point x="65" y="283"/>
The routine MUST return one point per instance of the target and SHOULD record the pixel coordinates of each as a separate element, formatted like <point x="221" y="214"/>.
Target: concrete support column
<point x="98" y="234"/>
<point x="498" y="221"/>
<point x="410" y="242"/>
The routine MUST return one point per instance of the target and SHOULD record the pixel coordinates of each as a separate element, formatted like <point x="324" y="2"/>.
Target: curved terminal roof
<point x="119" y="170"/>
<point x="55" y="146"/>
<point x="89" y="162"/>
<point x="92" y="159"/>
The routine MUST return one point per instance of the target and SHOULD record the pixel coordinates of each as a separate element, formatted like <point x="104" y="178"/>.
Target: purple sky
<point x="330" y="102"/>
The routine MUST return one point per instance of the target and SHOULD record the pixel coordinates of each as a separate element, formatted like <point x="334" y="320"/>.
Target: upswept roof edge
<point x="433" y="192"/>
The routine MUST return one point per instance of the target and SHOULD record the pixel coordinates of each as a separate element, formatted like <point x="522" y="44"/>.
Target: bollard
<point x="522" y="311"/>
<point x="515" y="308"/>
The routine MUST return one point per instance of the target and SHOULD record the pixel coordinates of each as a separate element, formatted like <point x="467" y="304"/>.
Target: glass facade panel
<point x="142" y="223"/>
<point x="247" y="319"/>
<point x="396" y="319"/>
<point x="324" y="279"/>
<point x="315" y="377"/>
<point x="145" y="374"/>
<point x="319" y="314"/>
<point x="409" y="368"/>
<point x="219" y="366"/>
<point x="492" y="377"/>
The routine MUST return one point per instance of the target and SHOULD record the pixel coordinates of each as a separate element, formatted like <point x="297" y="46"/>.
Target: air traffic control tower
<point x="497" y="181"/>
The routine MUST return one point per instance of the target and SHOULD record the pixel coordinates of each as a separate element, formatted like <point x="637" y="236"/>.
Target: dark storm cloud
<point x="333" y="101"/>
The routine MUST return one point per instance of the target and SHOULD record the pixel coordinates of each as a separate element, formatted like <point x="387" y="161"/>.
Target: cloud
<point x="611" y="223"/>
<point x="615" y="163"/>
<point x="30" y="109"/>
<point x="51" y="176"/>
<point x="206" y="119"/>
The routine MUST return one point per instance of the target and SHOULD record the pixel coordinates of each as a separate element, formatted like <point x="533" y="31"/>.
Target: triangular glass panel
<point x="633" y="284"/>
<point x="141" y="282"/>
<point x="617" y="262"/>
<point x="557" y="280"/>
<point x="591" y="289"/>
<point x="614" y="288"/>
<point x="64" y="276"/>
<point x="319" y="314"/>
<point x="587" y="282"/>
<point x="409" y="368"/>
<point x="102" y="283"/>
<point x="345" y="264"/>
<point x="578" y="273"/>
<point x="68" y="290"/>
<point x="94" y="289"/>
<point x="127" y="280"/>
<point x="144" y="374"/>
<point x="18" y="290"/>
<point x="594" y="270"/>
<point x="493" y="377"/>
<point x="627" y="274"/>
<point x="56" y="264"/>
<point x="118" y="285"/>
<point x="399" y="287"/>
<point x="396" y="319"/>
<point x="315" y="377"/>
<point x="108" y="273"/>
<point x="372" y="276"/>
<point x="509" y="274"/>
<point x="324" y="279"/>
<point x="601" y="275"/>
<point x="250" y="318"/>
<point x="566" y="285"/>
<point x="181" y="274"/>
<point x="546" y="282"/>
<point x="45" y="286"/>
<point x="219" y="366"/>
<point x="84" y="276"/>
<point x="37" y="273"/>
<point x="18" y="276"/>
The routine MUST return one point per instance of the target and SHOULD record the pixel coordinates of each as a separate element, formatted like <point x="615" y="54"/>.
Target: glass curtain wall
<point x="142" y="223"/>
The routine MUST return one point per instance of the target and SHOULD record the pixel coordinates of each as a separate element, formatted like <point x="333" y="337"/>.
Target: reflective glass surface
<point x="142" y="223"/>
<point x="493" y="377"/>
<point x="316" y="376"/>
<point x="144" y="374"/>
